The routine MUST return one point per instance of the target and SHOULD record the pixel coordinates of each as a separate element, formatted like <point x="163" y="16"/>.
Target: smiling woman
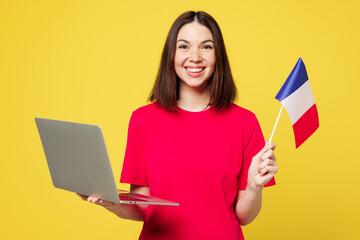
<point x="194" y="57"/>
<point x="194" y="40"/>
<point x="193" y="145"/>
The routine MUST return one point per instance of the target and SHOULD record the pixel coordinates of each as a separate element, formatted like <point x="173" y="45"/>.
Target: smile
<point x="195" y="70"/>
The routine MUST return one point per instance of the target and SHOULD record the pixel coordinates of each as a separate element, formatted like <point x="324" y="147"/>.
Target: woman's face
<point x="195" y="55"/>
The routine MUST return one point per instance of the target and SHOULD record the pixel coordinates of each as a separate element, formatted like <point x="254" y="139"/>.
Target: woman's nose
<point x="195" y="56"/>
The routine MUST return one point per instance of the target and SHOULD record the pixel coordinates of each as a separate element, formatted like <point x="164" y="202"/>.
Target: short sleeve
<point x="253" y="142"/>
<point x="134" y="169"/>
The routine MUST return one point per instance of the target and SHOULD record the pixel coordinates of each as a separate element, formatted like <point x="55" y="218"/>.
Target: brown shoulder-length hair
<point x="221" y="85"/>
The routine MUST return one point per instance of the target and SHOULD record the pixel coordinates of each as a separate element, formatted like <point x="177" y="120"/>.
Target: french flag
<point x="297" y="98"/>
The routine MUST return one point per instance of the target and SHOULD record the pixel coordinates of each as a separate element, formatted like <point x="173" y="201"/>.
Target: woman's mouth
<point x="195" y="71"/>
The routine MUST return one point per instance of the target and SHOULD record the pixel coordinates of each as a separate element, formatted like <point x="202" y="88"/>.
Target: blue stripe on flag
<point x="296" y="79"/>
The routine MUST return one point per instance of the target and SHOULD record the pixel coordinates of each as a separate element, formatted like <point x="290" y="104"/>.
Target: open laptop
<point x="78" y="162"/>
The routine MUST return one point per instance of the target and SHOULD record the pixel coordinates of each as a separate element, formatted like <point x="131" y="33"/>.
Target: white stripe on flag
<point x="297" y="103"/>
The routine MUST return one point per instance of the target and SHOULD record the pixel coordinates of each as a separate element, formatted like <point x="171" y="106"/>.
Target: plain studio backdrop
<point x="96" y="61"/>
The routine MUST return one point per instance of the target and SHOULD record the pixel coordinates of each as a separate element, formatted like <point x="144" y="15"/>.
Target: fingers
<point x="266" y="178"/>
<point x="94" y="200"/>
<point x="268" y="147"/>
<point x="269" y="154"/>
<point x="87" y="198"/>
<point x="263" y="166"/>
<point x="271" y="145"/>
<point x="268" y="170"/>
<point x="100" y="202"/>
<point x="267" y="164"/>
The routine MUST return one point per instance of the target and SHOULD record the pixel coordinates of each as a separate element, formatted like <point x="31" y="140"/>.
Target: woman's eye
<point x="207" y="47"/>
<point x="183" y="46"/>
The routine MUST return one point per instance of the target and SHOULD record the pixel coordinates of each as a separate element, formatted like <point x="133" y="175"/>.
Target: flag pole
<point x="277" y="120"/>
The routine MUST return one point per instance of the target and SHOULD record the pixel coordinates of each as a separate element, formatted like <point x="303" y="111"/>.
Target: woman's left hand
<point x="263" y="167"/>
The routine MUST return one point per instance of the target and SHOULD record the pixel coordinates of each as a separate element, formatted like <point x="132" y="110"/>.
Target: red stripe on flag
<point x="306" y="125"/>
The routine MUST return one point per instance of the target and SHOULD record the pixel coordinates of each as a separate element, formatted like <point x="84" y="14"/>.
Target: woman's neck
<point x="193" y="99"/>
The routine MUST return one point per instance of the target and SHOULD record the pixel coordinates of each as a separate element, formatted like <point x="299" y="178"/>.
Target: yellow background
<point x="95" y="62"/>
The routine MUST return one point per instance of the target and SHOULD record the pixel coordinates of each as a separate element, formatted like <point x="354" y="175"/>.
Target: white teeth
<point x="194" y="70"/>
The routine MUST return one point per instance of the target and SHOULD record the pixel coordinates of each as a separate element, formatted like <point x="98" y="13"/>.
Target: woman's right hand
<point x="110" y="206"/>
<point x="126" y="211"/>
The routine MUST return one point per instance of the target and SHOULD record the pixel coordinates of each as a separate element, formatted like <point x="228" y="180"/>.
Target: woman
<point x="193" y="146"/>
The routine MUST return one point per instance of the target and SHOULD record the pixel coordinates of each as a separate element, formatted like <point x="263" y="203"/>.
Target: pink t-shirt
<point x="198" y="159"/>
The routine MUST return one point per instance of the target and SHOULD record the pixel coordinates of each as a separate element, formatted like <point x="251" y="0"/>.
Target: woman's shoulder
<point x="241" y="112"/>
<point x="243" y="118"/>
<point x="148" y="110"/>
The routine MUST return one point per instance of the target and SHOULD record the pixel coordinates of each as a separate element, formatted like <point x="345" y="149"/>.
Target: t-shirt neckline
<point x="187" y="112"/>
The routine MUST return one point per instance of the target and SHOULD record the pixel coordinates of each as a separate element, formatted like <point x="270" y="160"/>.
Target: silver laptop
<point x="78" y="162"/>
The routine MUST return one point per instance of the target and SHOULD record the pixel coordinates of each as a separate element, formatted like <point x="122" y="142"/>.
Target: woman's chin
<point x="195" y="86"/>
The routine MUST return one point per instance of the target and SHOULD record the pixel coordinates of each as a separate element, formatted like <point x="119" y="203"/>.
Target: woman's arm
<point x="262" y="169"/>
<point x="134" y="212"/>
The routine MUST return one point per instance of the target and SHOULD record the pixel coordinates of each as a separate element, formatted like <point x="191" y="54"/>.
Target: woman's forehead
<point x="194" y="31"/>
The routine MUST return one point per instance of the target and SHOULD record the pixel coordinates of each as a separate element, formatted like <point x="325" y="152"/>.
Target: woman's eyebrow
<point x="183" y="40"/>
<point x="205" y="41"/>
